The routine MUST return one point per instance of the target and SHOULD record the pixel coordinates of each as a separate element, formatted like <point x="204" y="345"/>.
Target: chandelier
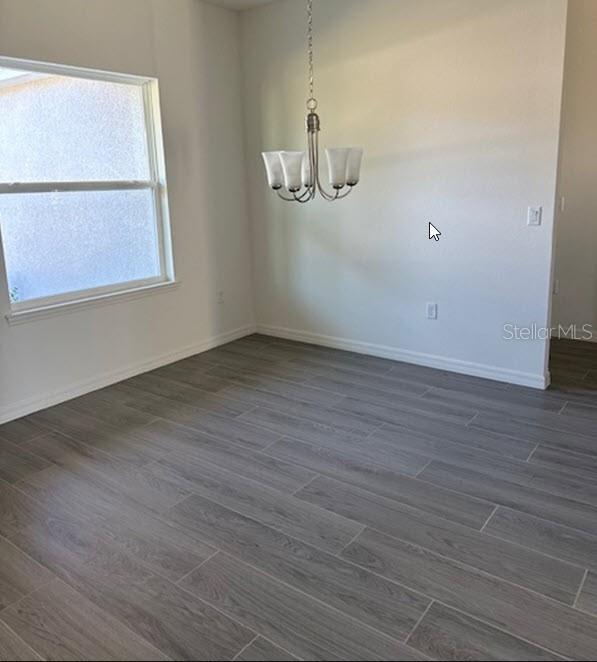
<point x="298" y="172"/>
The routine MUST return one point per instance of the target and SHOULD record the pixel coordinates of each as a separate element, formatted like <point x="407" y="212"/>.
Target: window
<point x="83" y="210"/>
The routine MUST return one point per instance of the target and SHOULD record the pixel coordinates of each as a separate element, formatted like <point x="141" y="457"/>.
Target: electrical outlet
<point x="431" y="311"/>
<point x="220" y="296"/>
<point x="534" y="215"/>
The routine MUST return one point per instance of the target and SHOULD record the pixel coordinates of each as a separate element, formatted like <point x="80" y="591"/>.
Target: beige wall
<point x="576" y="236"/>
<point x="192" y="47"/>
<point x="457" y="105"/>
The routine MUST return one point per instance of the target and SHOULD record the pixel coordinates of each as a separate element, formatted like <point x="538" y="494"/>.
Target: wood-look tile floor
<point x="270" y="500"/>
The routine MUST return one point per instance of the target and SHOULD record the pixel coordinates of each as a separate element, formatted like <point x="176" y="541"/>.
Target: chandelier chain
<point x="310" y="45"/>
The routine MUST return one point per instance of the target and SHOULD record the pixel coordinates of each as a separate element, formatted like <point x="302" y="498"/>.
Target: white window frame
<point x="156" y="183"/>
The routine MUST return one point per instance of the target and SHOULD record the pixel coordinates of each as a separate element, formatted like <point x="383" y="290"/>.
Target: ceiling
<point x="239" y="4"/>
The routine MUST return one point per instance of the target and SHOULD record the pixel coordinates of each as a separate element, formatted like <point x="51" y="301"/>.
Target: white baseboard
<point x="408" y="356"/>
<point x="28" y="406"/>
<point x="25" y="407"/>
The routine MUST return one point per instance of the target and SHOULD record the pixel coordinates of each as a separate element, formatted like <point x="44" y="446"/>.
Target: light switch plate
<point x="534" y="215"/>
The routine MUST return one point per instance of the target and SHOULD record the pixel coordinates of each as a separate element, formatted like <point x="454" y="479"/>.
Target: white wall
<point x="193" y="48"/>
<point x="576" y="236"/>
<point x="457" y="105"/>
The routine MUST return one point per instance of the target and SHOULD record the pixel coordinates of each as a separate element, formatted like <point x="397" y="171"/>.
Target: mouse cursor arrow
<point x="434" y="233"/>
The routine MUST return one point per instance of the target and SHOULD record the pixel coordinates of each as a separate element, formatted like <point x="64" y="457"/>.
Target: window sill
<point x="65" y="307"/>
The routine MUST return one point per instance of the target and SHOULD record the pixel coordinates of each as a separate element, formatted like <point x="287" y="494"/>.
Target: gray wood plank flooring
<point x="274" y="500"/>
<point x="446" y="634"/>
<point x="19" y="574"/>
<point x="559" y="541"/>
<point x="290" y="618"/>
<point x="515" y="563"/>
<point x="13" y="648"/>
<point x="261" y="650"/>
<point x="523" y="613"/>
<point x="60" y="623"/>
<point x="388" y="607"/>
<point x="587" y="598"/>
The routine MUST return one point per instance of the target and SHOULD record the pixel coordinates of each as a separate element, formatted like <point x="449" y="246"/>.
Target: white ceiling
<point x="239" y="4"/>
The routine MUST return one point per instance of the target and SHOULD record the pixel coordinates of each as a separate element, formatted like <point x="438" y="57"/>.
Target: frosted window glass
<point x="56" y="243"/>
<point x="60" y="128"/>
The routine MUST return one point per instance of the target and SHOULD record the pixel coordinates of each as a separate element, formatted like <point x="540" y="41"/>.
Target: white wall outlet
<point x="220" y="296"/>
<point x="431" y="311"/>
<point x="534" y="215"/>
<point x="562" y="203"/>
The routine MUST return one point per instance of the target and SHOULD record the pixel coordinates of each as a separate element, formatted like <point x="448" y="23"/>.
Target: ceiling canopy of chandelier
<point x="298" y="172"/>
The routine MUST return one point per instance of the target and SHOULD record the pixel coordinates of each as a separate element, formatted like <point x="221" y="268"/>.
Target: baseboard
<point x="25" y="407"/>
<point x="408" y="356"/>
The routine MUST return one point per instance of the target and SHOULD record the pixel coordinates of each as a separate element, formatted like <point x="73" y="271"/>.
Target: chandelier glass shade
<point x="295" y="176"/>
